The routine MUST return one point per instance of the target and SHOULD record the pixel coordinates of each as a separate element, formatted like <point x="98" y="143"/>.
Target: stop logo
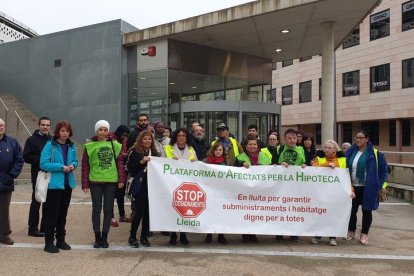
<point x="189" y="200"/>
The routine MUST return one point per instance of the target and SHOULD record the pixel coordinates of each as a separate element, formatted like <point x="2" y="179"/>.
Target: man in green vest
<point x="232" y="147"/>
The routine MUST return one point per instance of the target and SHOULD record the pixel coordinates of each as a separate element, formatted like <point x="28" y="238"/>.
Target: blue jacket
<point x="51" y="160"/>
<point x="11" y="162"/>
<point x="374" y="178"/>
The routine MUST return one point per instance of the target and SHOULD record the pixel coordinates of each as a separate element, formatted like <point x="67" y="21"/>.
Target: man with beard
<point x="142" y="124"/>
<point x="31" y="153"/>
<point x="200" y="145"/>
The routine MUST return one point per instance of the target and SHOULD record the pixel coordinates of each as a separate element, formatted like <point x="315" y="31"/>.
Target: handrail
<point x="4" y="104"/>
<point x="399" y="152"/>
<point x="5" y="113"/>
<point x="20" y="119"/>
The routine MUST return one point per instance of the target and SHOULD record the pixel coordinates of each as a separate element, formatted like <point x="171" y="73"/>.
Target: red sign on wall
<point x="189" y="200"/>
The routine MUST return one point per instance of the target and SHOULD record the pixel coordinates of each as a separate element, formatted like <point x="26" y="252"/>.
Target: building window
<point x="392" y="133"/>
<point x="407" y="16"/>
<point x="58" y="62"/>
<point x="372" y="128"/>
<point x="305" y="58"/>
<point x="406" y="132"/>
<point x="407" y="73"/>
<point x="287" y="62"/>
<point x="274" y="65"/>
<point x="287" y="94"/>
<point x="350" y="83"/>
<point x="380" y="78"/>
<point x="347" y="133"/>
<point x="318" y="136"/>
<point x="351" y="39"/>
<point x="305" y="92"/>
<point x="380" y="24"/>
<point x="271" y="95"/>
<point x="320" y="88"/>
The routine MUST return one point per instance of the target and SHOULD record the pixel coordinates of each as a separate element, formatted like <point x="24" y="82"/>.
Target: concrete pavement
<point x="390" y="251"/>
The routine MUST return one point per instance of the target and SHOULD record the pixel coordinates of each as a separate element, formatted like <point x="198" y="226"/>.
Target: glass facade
<point x="162" y="93"/>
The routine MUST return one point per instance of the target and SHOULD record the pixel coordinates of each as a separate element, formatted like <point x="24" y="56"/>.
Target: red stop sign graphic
<point x="189" y="200"/>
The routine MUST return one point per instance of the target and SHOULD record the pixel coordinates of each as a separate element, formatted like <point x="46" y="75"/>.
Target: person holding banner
<point x="138" y="159"/>
<point x="292" y="154"/>
<point x="251" y="157"/>
<point x="368" y="170"/>
<point x="332" y="157"/>
<point x="273" y="148"/>
<point x="217" y="156"/>
<point x="180" y="148"/>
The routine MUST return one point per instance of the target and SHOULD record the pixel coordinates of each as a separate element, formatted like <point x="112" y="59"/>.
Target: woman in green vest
<point x="102" y="173"/>
<point x="332" y="157"/>
<point x="179" y="148"/>
<point x="251" y="157"/>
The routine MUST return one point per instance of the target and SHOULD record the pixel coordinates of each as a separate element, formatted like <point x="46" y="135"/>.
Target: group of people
<point x="110" y="157"/>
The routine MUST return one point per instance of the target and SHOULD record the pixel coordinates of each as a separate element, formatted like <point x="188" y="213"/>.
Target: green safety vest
<point x="102" y="162"/>
<point x="233" y="145"/>
<point x="263" y="158"/>
<point x="169" y="152"/>
<point x="268" y="153"/>
<point x="341" y="161"/>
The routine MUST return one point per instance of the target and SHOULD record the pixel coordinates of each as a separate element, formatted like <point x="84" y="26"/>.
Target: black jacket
<point x="32" y="150"/>
<point x="201" y="147"/>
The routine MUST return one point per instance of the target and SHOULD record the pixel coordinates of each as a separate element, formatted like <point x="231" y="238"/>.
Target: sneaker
<point x="133" y="243"/>
<point x="114" y="223"/>
<point x="145" y="242"/>
<point x="7" y="241"/>
<point x="36" y="233"/>
<point x="350" y="236"/>
<point x="315" y="240"/>
<point x="124" y="219"/>
<point x="332" y="241"/>
<point x="363" y="239"/>
<point x="63" y="245"/>
<point x="51" y="248"/>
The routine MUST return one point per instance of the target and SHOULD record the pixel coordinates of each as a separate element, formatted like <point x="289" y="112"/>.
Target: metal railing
<point x="20" y="121"/>
<point x="6" y="111"/>
<point x="399" y="157"/>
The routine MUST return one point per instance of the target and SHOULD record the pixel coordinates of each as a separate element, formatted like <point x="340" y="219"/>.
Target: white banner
<point x="196" y="197"/>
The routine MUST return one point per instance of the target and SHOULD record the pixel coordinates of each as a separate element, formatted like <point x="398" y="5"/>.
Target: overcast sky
<point x="49" y="16"/>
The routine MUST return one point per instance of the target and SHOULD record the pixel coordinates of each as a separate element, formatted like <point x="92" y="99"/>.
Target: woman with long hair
<point x="308" y="144"/>
<point x="368" y="169"/>
<point x="180" y="148"/>
<point x="216" y="156"/>
<point x="251" y="157"/>
<point x="138" y="158"/>
<point x="58" y="157"/>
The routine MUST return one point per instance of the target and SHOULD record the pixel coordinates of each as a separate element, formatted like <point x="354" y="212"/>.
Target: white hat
<point x="101" y="123"/>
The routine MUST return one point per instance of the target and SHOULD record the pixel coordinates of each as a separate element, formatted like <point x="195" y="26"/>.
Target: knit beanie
<point x="101" y="123"/>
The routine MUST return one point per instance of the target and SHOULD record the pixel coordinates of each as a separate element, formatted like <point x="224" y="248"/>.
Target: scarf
<point x="159" y="137"/>
<point x="361" y="165"/>
<point x="254" y="158"/>
<point x="215" y="160"/>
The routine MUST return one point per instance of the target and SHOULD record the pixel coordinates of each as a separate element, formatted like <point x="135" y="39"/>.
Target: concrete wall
<point x="90" y="84"/>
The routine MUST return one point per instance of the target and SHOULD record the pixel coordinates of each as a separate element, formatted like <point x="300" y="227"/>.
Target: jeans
<point x="107" y="192"/>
